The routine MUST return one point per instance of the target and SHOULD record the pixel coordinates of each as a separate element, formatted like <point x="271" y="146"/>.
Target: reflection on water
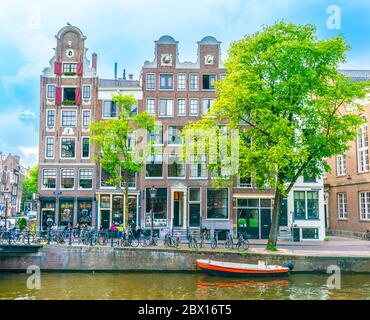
<point x="179" y="286"/>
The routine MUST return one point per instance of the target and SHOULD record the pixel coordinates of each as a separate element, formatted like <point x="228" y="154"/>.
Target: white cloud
<point x="29" y="155"/>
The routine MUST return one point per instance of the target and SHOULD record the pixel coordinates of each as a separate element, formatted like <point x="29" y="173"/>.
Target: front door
<point x="194" y="215"/>
<point x="265" y="223"/>
<point x="47" y="215"/>
<point x="178" y="209"/>
<point x="105" y="219"/>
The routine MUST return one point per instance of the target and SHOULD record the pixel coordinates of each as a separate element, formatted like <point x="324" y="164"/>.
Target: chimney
<point x="115" y="70"/>
<point x="131" y="77"/>
<point x="94" y="64"/>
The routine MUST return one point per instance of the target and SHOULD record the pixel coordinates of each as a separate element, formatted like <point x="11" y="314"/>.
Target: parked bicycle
<point x="214" y="240"/>
<point x="128" y="240"/>
<point x="171" y="240"/>
<point x="229" y="242"/>
<point x="243" y="242"/>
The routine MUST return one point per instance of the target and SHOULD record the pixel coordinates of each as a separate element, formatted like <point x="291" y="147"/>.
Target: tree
<point x="30" y="184"/>
<point x="114" y="137"/>
<point x="284" y="93"/>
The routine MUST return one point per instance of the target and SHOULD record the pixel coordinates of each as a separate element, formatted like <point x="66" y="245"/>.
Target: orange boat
<point x="230" y="269"/>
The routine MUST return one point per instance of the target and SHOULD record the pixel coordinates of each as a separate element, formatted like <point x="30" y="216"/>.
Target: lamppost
<point x="153" y="193"/>
<point x="6" y="199"/>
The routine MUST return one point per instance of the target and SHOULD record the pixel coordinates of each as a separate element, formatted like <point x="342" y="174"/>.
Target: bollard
<point x="111" y="243"/>
<point x="70" y="237"/>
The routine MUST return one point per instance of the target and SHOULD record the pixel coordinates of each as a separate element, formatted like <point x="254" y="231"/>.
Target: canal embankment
<point x="85" y="258"/>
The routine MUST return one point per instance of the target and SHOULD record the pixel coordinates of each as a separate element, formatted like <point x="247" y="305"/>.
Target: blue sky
<point x="124" y="31"/>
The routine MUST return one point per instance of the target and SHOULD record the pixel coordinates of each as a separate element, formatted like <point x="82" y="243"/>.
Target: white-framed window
<point x="342" y="206"/>
<point x="222" y="76"/>
<point x="49" y="178"/>
<point x="85" y="145"/>
<point x="208" y="81"/>
<point x="49" y="147"/>
<point x="67" y="179"/>
<point x="206" y="105"/>
<point x="69" y="118"/>
<point x="131" y="140"/>
<point x="245" y="182"/>
<point x="110" y="109"/>
<point x="86" y="118"/>
<point x="165" y="107"/>
<point x="181" y="107"/>
<point x="176" y="166"/>
<point x="150" y="81"/>
<point x="85" y="179"/>
<point x="365" y="205"/>
<point x="341" y="165"/>
<point x="363" y="149"/>
<point x="181" y="82"/>
<point x="154" y="166"/>
<point x="174" y="135"/>
<point x="86" y="92"/>
<point x="150" y="106"/>
<point x="198" y="167"/>
<point x="50" y="118"/>
<point x="194" y="82"/>
<point x="69" y="67"/>
<point x="194" y="108"/>
<point x="67" y="148"/>
<point x="166" y="81"/>
<point x="50" y="91"/>
<point x="156" y="136"/>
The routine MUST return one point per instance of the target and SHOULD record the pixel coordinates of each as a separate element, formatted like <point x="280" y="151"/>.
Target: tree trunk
<point x="274" y="231"/>
<point x="126" y="199"/>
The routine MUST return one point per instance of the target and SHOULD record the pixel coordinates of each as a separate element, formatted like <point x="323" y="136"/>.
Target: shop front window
<point x="117" y="217"/>
<point x="217" y="203"/>
<point x="66" y="213"/>
<point x="84" y="216"/>
<point x="160" y="208"/>
<point x="132" y="209"/>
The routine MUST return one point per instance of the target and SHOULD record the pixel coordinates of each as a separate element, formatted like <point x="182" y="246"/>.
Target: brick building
<point x="347" y="186"/>
<point x="11" y="180"/>
<point x="68" y="101"/>
<point x="73" y="187"/>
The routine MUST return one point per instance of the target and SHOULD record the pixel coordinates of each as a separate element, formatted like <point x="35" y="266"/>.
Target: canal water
<point x="75" y="286"/>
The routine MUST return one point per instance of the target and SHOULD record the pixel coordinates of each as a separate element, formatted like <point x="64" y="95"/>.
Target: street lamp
<point x="6" y="199"/>
<point x="153" y="192"/>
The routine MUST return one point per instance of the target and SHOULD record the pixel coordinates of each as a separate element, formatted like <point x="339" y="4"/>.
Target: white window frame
<point x="167" y="114"/>
<point x="163" y="164"/>
<point x="79" y="179"/>
<point x="228" y="206"/>
<point x="47" y="116"/>
<point x="160" y="84"/>
<point x="60" y="148"/>
<point x="341" y="165"/>
<point x="195" y="163"/>
<point x="209" y="74"/>
<point x="197" y="82"/>
<point x="182" y="81"/>
<point x="100" y="184"/>
<point x="190" y="105"/>
<point x="209" y="101"/>
<point x="83" y="117"/>
<point x="82" y="146"/>
<point x="177" y="155"/>
<point x="342" y="206"/>
<point x="147" y="87"/>
<point x="103" y="116"/>
<point x="364" y="212"/>
<point x="61" y="119"/>
<point x="74" y="178"/>
<point x="178" y="104"/>
<point x="46" y="147"/>
<point x="83" y="91"/>
<point x="363" y="150"/>
<point x="168" y="136"/>
<point x="147" y="110"/>
<point x="47" y="91"/>
<point x="43" y="176"/>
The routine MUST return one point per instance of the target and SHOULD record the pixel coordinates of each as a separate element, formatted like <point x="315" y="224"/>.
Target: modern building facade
<point x="73" y="186"/>
<point x="347" y="186"/>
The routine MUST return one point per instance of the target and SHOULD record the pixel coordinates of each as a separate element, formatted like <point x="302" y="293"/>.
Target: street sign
<point x="57" y="193"/>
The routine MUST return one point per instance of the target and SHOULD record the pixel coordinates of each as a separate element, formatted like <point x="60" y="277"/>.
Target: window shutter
<point x="80" y="68"/>
<point x="58" y="68"/>
<point x="58" y="95"/>
<point x="78" y="96"/>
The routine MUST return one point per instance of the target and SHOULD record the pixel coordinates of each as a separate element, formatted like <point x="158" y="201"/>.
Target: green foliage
<point x="70" y="73"/>
<point x="284" y="93"/>
<point x="112" y="136"/>
<point x="69" y="102"/>
<point x="22" y="223"/>
<point x="271" y="247"/>
<point x="326" y="239"/>
<point x="30" y="184"/>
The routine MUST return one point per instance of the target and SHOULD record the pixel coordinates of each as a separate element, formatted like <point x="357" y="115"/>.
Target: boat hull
<point x="219" y="271"/>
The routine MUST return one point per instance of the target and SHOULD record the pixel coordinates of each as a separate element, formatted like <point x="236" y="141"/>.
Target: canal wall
<point x="58" y="258"/>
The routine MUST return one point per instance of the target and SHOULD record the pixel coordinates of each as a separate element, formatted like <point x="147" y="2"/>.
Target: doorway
<point x="178" y="209"/>
<point x="105" y="219"/>
<point x="46" y="215"/>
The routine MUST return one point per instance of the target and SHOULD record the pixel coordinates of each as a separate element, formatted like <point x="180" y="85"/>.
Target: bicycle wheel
<point x="228" y="244"/>
<point x="134" y="243"/>
<point x="213" y="244"/>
